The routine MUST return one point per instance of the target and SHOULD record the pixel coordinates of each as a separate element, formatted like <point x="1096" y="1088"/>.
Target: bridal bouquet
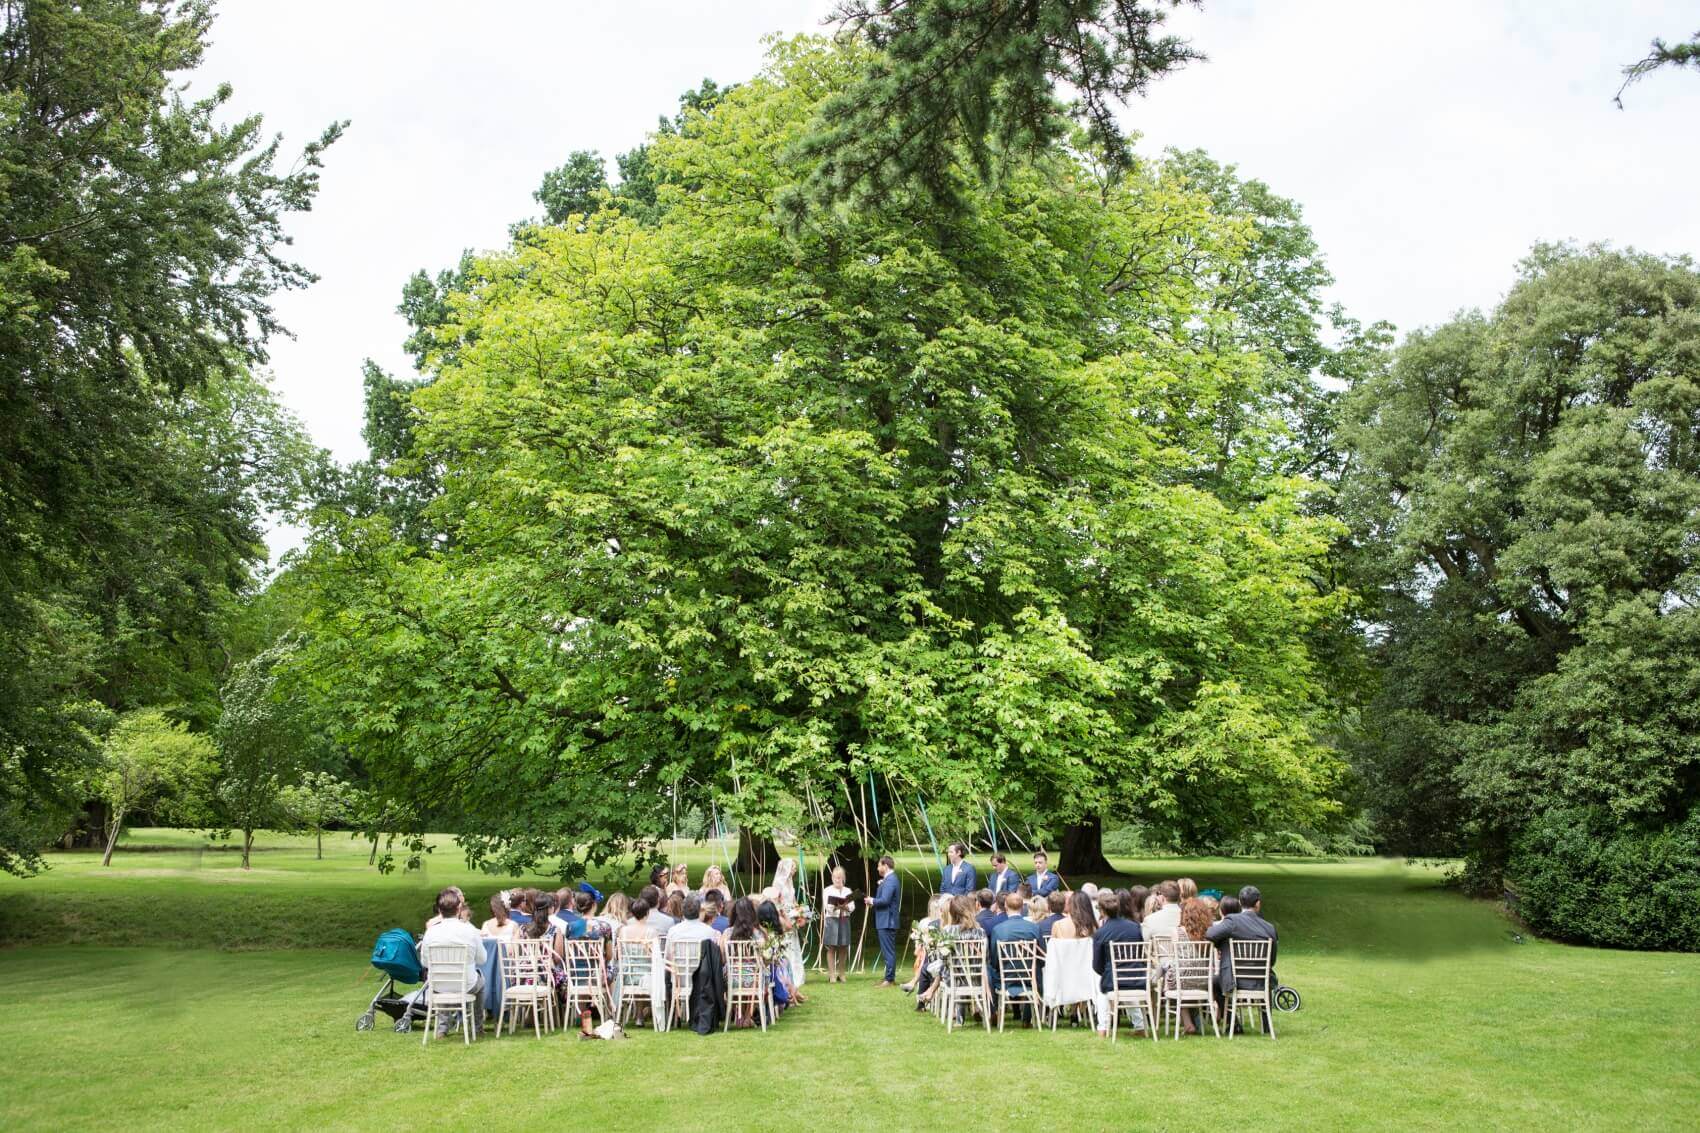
<point x="772" y="949"/>
<point x="801" y="915"/>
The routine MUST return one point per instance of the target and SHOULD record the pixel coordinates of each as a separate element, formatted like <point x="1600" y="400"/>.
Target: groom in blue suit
<point x="959" y="877"/>
<point x="886" y="904"/>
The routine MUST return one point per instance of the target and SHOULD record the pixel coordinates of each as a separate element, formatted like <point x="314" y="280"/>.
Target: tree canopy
<point x="738" y="515"/>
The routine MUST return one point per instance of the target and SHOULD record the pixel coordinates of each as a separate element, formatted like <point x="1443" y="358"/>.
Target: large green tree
<point x="740" y="514"/>
<point x="1525" y="486"/>
<point x="139" y="247"/>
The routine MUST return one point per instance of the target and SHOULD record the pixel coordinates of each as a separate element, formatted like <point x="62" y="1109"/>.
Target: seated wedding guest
<point x="638" y="929"/>
<point x="1080" y="923"/>
<point x="1056" y="907"/>
<point x="1171" y="891"/>
<point x="568" y="922"/>
<point x="1136" y="898"/>
<point x="1125" y="905"/>
<point x="1014" y="927"/>
<point x="500" y="926"/>
<point x="956" y="918"/>
<point x="1197" y="915"/>
<point x="1247" y="924"/>
<point x="743" y="926"/>
<point x="1115" y="928"/>
<point x="449" y="928"/>
<point x="1229" y="904"/>
<point x="589" y="924"/>
<point x="991" y="912"/>
<point x="617" y="912"/>
<point x="1003" y="879"/>
<point x="659" y="876"/>
<point x="959" y="876"/>
<point x="782" y="971"/>
<point x="519" y="905"/>
<point x="673" y="904"/>
<point x="1091" y="892"/>
<point x="680" y="880"/>
<point x="436" y="909"/>
<point x="712" y="878"/>
<point x="1044" y="882"/>
<point x="715" y="899"/>
<point x="1185" y="889"/>
<point x="937" y="914"/>
<point x="659" y="921"/>
<point x="1162" y="919"/>
<point x="694" y="922"/>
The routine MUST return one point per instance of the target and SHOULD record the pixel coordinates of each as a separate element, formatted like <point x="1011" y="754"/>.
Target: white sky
<point x="1430" y="144"/>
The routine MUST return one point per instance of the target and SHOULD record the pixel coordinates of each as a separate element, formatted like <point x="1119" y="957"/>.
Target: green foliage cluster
<point x="1582" y="875"/>
<point x="139" y="247"/>
<point x="994" y="504"/>
<point x="1524" y="490"/>
<point x="151" y="760"/>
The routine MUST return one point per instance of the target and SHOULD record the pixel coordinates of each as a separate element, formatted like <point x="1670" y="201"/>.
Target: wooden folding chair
<point x="1018" y="978"/>
<point x="682" y="961"/>
<point x="966" y="967"/>
<point x="1188" y="984"/>
<point x="636" y="983"/>
<point x="1250" y="963"/>
<point x="747" y="981"/>
<point x="526" y="985"/>
<point x="586" y="977"/>
<point x="1131" y="984"/>
<point x="447" y="987"/>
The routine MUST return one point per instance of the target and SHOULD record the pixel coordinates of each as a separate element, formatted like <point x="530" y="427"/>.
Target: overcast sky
<point x="1430" y="144"/>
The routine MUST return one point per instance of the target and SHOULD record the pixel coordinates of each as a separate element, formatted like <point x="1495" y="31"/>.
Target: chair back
<point x="1130" y="962"/>
<point x="448" y="967"/>
<point x="967" y="962"/>
<point x="637" y="963"/>
<point x="1192" y="964"/>
<point x="1018" y="966"/>
<point x="523" y="962"/>
<point x="1250" y="960"/>
<point x="586" y="965"/>
<point x="745" y="972"/>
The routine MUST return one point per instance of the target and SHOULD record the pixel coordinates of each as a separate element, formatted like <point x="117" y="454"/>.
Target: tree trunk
<point x="247" y="846"/>
<point x="112" y="836"/>
<point x="319" y="835"/>
<point x="372" y="858"/>
<point x="856" y="868"/>
<point x="1082" y="850"/>
<point x="757" y="857"/>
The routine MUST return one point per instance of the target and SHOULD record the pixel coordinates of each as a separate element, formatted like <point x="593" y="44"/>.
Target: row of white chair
<point x="1162" y="978"/>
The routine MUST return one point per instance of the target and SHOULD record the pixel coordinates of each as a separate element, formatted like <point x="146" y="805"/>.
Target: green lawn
<point x="174" y="991"/>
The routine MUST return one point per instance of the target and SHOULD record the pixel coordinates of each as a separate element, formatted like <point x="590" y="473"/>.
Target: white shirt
<point x="1163" y="922"/>
<point x="835" y="891"/>
<point x="660" y="922"/>
<point x="687" y="931"/>
<point x="453" y="930"/>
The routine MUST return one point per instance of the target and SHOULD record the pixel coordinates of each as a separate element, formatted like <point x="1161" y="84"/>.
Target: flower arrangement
<point x="772" y="948"/>
<point x="801" y="915"/>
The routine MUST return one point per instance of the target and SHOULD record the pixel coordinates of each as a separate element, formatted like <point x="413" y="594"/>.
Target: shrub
<point x="1579" y="876"/>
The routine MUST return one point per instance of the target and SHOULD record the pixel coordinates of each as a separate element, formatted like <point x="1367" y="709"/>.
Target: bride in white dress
<point x="785" y="886"/>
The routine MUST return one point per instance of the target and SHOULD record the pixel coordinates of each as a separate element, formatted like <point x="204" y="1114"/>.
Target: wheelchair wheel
<point x="364" y="1023"/>
<point x="1286" y="999"/>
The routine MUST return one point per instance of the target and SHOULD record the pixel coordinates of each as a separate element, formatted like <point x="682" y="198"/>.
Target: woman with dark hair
<point x="660" y="876"/>
<point x="1124" y="903"/>
<point x="1136" y="898"/>
<point x="1080" y="923"/>
<point x="743" y="926"/>
<point x="500" y="926"/>
<point x="779" y="968"/>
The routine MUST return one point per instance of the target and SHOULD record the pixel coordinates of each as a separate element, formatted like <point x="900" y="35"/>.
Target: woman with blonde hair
<point x="712" y="878"/>
<point x="679" y="881"/>
<point x="1188" y="888"/>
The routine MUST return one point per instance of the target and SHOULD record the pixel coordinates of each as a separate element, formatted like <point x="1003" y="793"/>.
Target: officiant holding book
<point x="836" y="904"/>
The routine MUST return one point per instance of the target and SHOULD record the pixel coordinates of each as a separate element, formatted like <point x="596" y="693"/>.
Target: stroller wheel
<point x="1286" y="999"/>
<point x="364" y="1023"/>
<point x="403" y="1025"/>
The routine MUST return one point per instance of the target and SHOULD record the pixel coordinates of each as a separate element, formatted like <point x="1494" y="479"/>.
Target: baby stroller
<point x="1286" y="998"/>
<point x="395" y="956"/>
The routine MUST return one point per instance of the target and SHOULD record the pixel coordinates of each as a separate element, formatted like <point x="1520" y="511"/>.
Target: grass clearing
<point x="238" y="1010"/>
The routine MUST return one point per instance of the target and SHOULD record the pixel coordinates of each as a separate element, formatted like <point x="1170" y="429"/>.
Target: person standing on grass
<point x="835" y="926"/>
<point x="886" y="905"/>
<point x="1043" y="881"/>
<point x="959" y="876"/>
<point x="1003" y="879"/>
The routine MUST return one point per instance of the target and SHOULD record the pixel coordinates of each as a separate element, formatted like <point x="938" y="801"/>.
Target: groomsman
<point x="959" y="876"/>
<point x="1003" y="879"/>
<point x="1043" y="881"/>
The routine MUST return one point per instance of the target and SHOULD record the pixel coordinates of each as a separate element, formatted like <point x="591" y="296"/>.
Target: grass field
<point x="173" y="990"/>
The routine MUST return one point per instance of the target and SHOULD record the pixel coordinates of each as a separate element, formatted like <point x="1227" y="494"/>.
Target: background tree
<point x="266" y="741"/>
<point x="1525" y="487"/>
<point x="950" y="80"/>
<point x="752" y="514"/>
<point x="1663" y="54"/>
<point x="317" y="801"/>
<point x="139" y="248"/>
<point x="150" y="760"/>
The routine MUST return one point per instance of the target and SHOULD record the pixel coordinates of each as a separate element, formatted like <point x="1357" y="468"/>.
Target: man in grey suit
<point x="1247" y="924"/>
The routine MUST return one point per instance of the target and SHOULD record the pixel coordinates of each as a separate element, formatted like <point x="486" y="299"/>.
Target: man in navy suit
<point x="1043" y="881"/>
<point x="1114" y="929"/>
<point x="1014" y="926"/>
<point x="1003" y="879"/>
<point x="959" y="877"/>
<point x="886" y="903"/>
<point x="991" y="912"/>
